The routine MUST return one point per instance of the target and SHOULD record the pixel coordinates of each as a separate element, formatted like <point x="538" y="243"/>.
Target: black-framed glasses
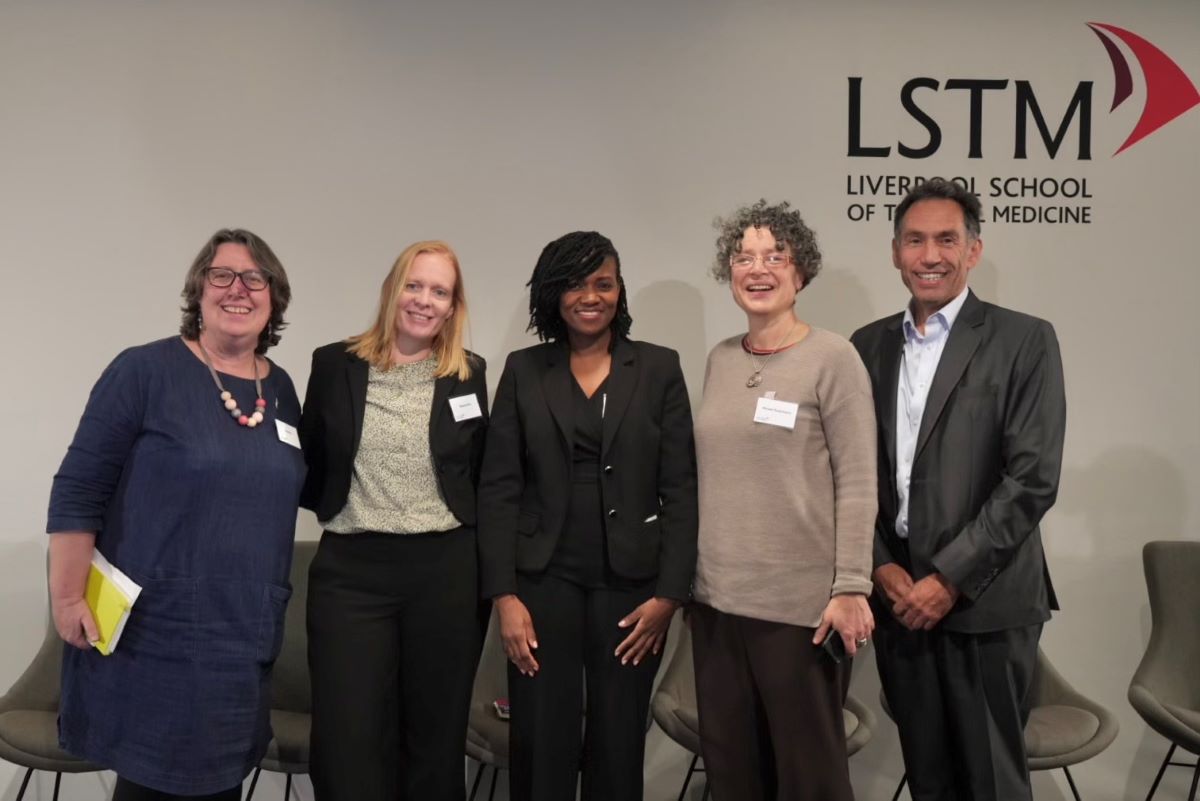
<point x="222" y="277"/>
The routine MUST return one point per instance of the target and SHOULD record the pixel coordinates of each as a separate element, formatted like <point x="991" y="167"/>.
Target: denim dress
<point x="201" y="512"/>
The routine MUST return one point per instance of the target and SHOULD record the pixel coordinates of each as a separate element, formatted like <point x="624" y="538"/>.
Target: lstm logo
<point x="1169" y="93"/>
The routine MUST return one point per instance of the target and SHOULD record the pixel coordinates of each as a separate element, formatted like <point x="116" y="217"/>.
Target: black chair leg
<point x="492" y="791"/>
<point x="900" y="787"/>
<point x="287" y="787"/>
<point x="1162" y="768"/>
<point x="24" y="784"/>
<point x="475" y="784"/>
<point x="253" y="783"/>
<point x="1195" y="782"/>
<point x="58" y="781"/>
<point x="688" y="777"/>
<point x="1071" y="781"/>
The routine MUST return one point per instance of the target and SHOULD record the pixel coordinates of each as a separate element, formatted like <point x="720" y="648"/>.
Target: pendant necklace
<point x="249" y="421"/>
<point x="755" y="378"/>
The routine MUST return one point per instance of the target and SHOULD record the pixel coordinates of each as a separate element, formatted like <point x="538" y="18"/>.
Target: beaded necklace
<point x="249" y="421"/>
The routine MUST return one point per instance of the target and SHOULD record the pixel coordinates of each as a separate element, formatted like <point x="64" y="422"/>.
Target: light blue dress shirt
<point x="918" y="364"/>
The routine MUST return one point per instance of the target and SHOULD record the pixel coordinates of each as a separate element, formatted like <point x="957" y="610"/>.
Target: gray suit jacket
<point x="987" y="463"/>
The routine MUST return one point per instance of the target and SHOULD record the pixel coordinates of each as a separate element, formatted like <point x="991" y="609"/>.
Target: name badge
<point x="287" y="433"/>
<point x="465" y="407"/>
<point x="776" y="413"/>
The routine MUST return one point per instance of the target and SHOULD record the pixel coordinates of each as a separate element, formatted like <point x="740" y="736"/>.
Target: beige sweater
<point x="786" y="516"/>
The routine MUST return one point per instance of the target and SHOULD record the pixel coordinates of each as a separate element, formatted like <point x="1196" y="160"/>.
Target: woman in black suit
<point x="393" y="430"/>
<point x="587" y="510"/>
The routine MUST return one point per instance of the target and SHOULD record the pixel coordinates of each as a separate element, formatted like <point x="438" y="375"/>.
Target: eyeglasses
<point x="744" y="261"/>
<point x="222" y="277"/>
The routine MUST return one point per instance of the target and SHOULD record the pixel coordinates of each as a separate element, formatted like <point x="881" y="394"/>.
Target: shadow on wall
<point x="671" y="314"/>
<point x="837" y="302"/>
<point x="1128" y="496"/>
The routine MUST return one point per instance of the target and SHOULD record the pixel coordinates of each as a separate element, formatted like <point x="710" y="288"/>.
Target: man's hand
<point x="894" y="581"/>
<point x="927" y="602"/>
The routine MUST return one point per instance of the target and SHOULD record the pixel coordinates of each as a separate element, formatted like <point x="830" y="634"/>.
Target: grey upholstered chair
<point x="674" y="708"/>
<point x="291" y="690"/>
<point x="1064" y="727"/>
<point x="29" y="718"/>
<point x="1165" y="690"/>
<point x="487" y="735"/>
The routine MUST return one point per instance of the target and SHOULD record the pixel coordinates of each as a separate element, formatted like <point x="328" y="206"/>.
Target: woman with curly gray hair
<point x="785" y="446"/>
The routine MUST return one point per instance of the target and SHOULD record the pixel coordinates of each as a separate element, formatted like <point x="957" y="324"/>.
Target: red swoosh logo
<point x="1169" y="92"/>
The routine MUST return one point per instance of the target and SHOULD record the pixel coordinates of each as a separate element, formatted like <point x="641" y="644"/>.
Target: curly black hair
<point x="784" y="223"/>
<point x="566" y="261"/>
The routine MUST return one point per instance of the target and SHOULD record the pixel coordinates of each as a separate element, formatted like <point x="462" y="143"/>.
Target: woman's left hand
<point x="849" y="615"/>
<point x="650" y="622"/>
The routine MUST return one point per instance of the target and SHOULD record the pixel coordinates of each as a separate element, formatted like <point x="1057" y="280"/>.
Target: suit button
<point x="608" y="468"/>
<point x="612" y="512"/>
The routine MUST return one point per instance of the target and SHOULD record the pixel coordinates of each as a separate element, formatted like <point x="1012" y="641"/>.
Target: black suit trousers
<point x="577" y="634"/>
<point x="393" y="642"/>
<point x="960" y="702"/>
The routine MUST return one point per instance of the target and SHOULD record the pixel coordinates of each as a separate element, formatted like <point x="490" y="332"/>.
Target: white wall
<point x="342" y="132"/>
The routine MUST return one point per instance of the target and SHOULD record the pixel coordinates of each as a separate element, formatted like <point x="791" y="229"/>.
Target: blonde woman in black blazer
<point x="393" y="431"/>
<point x="587" y="526"/>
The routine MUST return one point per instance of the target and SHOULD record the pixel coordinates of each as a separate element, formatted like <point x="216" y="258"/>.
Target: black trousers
<point x="770" y="704"/>
<point x="126" y="790"/>
<point x="393" y="642"/>
<point x="960" y="702"/>
<point x="577" y="634"/>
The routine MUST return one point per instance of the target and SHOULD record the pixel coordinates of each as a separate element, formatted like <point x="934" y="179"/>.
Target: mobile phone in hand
<point x="834" y="647"/>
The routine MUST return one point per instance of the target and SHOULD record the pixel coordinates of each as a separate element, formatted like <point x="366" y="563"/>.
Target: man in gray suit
<point x="971" y="413"/>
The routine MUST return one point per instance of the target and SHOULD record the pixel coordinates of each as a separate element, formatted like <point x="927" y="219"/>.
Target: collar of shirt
<point x="944" y="316"/>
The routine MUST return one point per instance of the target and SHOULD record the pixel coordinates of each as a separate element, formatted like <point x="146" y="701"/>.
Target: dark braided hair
<point x="566" y="261"/>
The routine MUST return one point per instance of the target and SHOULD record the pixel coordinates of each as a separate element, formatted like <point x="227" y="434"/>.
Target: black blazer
<point x="647" y="476"/>
<point x="987" y="462"/>
<point x="331" y="428"/>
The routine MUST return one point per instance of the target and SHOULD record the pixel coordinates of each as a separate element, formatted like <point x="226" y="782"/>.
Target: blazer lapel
<point x="556" y="386"/>
<point x="622" y="378"/>
<point x="960" y="347"/>
<point x="889" y="377"/>
<point x="357" y="371"/>
<point x="441" y="395"/>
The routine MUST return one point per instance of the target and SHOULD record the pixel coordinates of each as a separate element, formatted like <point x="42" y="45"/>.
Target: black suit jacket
<point x="332" y="422"/>
<point x="987" y="463"/>
<point x="647" y="475"/>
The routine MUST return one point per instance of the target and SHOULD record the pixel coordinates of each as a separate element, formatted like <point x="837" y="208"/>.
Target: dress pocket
<point x="240" y="621"/>
<point x="162" y="622"/>
<point x="274" y="609"/>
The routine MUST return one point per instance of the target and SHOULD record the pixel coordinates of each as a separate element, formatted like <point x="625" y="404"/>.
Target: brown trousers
<point x="770" y="705"/>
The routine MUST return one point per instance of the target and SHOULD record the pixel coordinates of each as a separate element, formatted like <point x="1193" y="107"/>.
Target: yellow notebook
<point x="110" y="595"/>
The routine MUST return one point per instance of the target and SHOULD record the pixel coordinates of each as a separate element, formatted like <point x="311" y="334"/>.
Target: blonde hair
<point x="375" y="344"/>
